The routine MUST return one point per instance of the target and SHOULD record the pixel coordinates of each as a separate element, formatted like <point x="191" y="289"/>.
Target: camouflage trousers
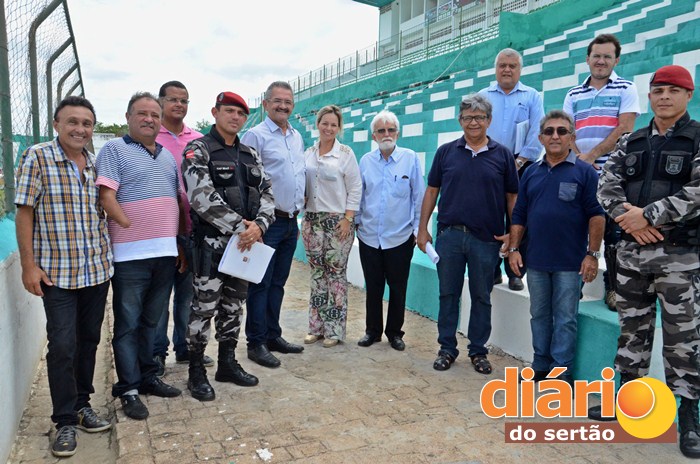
<point x="222" y="297"/>
<point x="679" y="297"/>
<point x="328" y="258"/>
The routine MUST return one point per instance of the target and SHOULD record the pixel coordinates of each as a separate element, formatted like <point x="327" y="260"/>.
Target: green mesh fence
<point x="42" y="67"/>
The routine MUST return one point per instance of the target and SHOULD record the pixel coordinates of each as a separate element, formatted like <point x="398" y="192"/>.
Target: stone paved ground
<point x="35" y="434"/>
<point x="344" y="404"/>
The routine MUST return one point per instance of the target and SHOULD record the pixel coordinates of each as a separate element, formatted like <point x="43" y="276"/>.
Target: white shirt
<point x="333" y="182"/>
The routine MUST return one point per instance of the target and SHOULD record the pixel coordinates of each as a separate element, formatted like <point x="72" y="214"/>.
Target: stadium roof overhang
<point x="377" y="3"/>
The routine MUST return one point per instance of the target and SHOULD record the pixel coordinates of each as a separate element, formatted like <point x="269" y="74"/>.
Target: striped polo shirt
<point x="596" y="113"/>
<point x="70" y="239"/>
<point x="147" y="188"/>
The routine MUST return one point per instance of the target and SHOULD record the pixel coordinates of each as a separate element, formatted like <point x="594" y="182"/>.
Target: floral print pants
<point x="328" y="255"/>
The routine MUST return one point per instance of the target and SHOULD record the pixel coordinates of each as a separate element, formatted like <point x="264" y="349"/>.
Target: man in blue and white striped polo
<point x="604" y="107"/>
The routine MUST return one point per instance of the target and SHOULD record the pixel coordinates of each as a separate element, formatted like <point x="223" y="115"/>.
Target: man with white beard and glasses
<point x="387" y="225"/>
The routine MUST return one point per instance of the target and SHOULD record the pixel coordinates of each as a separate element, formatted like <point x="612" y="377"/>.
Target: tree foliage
<point x="118" y="130"/>
<point x="202" y="126"/>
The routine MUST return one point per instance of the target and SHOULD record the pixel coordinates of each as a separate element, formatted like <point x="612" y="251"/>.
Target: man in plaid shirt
<point x="67" y="260"/>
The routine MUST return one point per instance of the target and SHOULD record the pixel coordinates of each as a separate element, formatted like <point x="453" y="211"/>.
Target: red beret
<point x="230" y="98"/>
<point x="673" y="75"/>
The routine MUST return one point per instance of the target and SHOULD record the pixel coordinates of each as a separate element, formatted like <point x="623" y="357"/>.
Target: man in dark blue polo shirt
<point x="477" y="182"/>
<point x="557" y="204"/>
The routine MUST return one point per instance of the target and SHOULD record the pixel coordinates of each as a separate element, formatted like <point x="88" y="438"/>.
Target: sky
<point x="209" y="45"/>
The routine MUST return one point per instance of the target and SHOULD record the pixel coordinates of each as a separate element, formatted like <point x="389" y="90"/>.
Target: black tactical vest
<point x="658" y="167"/>
<point x="235" y="176"/>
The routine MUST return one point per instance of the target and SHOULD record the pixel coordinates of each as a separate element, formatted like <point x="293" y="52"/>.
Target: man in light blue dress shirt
<point x="517" y="111"/>
<point x="387" y="224"/>
<point x="282" y="151"/>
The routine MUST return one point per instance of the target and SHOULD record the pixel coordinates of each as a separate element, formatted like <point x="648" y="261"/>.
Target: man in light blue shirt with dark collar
<point x="282" y="151"/>
<point x="387" y="224"/>
<point x="517" y="111"/>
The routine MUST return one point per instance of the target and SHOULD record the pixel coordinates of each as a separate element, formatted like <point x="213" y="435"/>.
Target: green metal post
<point x="8" y="163"/>
<point x="72" y="89"/>
<point x="62" y="80"/>
<point x="75" y="46"/>
<point x="33" y="71"/>
<point x="49" y="84"/>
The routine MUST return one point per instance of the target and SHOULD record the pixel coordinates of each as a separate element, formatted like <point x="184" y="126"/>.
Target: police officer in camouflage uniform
<point x="651" y="186"/>
<point x="229" y="195"/>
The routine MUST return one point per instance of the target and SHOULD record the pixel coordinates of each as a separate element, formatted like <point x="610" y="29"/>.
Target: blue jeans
<point x="554" y="298"/>
<point x="140" y="291"/>
<point x="457" y="249"/>
<point x="73" y="324"/>
<point x="265" y="299"/>
<point x="182" y="306"/>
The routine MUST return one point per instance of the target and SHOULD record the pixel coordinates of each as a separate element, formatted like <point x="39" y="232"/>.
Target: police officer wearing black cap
<point x="229" y="195"/>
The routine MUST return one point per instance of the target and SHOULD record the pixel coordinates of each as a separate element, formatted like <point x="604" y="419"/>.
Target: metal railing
<point x="38" y="67"/>
<point x="447" y="28"/>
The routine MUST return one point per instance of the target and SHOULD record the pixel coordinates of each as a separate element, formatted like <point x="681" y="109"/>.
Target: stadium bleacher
<point x="653" y="34"/>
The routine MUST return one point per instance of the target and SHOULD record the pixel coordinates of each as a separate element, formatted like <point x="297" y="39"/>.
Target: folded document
<point x="247" y="265"/>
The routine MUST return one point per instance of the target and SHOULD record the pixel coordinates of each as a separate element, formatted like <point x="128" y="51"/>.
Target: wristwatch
<point x="350" y="219"/>
<point x="520" y="163"/>
<point x="595" y="254"/>
<point x="511" y="250"/>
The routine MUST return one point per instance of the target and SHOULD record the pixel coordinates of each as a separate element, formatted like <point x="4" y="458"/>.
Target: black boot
<point x="197" y="383"/>
<point x="228" y="369"/>
<point x="689" y="429"/>
<point x="610" y="276"/>
<point x="595" y="412"/>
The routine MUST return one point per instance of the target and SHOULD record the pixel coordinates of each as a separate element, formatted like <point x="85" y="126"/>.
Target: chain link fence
<point x="38" y="67"/>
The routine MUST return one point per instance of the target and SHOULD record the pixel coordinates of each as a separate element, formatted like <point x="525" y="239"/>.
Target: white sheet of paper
<point x="247" y="265"/>
<point x="432" y="254"/>
<point x="521" y="130"/>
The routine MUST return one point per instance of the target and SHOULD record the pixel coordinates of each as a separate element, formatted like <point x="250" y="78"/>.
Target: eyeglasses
<point x="561" y="131"/>
<point x="469" y="119"/>
<point x="182" y="101"/>
<point x="279" y="101"/>
<point x="391" y="130"/>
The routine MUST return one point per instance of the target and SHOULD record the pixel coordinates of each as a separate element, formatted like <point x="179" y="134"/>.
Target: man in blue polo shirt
<point x="477" y="182"/>
<point x="557" y="204"/>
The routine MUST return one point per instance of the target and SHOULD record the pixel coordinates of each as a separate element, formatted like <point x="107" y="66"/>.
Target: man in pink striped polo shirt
<point x="174" y="135"/>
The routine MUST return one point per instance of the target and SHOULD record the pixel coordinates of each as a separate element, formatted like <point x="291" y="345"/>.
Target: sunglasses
<point x="391" y="130"/>
<point x="561" y="131"/>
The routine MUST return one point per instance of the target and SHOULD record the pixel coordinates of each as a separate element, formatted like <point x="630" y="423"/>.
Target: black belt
<point x="284" y="214"/>
<point x="461" y="227"/>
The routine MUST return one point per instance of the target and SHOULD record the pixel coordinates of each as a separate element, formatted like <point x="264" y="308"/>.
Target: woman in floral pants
<point x="333" y="192"/>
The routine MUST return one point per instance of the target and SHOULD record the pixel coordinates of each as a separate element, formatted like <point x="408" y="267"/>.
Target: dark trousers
<point x="183" y="292"/>
<point x="382" y="267"/>
<point x="73" y="323"/>
<point x="140" y="293"/>
<point x="523" y="242"/>
<point x="265" y="299"/>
